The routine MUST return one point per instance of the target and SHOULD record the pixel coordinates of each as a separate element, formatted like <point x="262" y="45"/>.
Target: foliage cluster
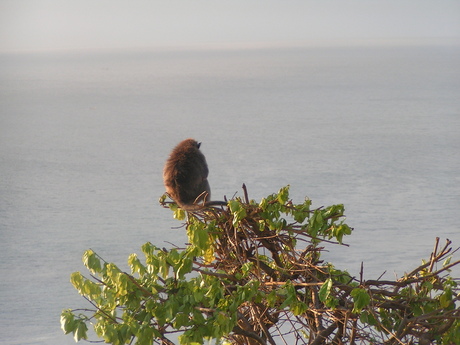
<point x="252" y="274"/>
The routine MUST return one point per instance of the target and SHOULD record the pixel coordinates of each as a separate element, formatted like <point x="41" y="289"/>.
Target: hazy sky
<point x="86" y="24"/>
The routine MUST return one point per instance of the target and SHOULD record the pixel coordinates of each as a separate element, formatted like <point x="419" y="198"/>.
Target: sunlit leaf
<point x="67" y="321"/>
<point x="361" y="299"/>
<point x="91" y="261"/>
<point x="208" y="255"/>
<point x="179" y="214"/>
<point x="254" y="265"/>
<point x="81" y="331"/>
<point x="325" y="290"/>
<point x="283" y="195"/>
<point x="445" y="300"/>
<point x="238" y="211"/>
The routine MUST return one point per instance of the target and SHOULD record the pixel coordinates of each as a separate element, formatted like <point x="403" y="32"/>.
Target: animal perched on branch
<point x="185" y="177"/>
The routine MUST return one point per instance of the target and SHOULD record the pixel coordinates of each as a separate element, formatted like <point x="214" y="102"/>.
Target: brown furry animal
<point x="185" y="175"/>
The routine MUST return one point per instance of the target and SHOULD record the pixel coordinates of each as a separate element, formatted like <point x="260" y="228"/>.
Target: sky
<point x="46" y="25"/>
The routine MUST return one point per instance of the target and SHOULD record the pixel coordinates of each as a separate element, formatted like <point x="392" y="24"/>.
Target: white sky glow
<point x="40" y="25"/>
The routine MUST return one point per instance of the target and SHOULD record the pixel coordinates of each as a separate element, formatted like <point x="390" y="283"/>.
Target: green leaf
<point x="200" y="291"/>
<point x="367" y="318"/>
<point x="290" y="294"/>
<point x="91" y="261"/>
<point x="163" y="266"/>
<point x="179" y="213"/>
<point x="342" y="230"/>
<point x="315" y="223"/>
<point x="185" y="266"/>
<point x="299" y="308"/>
<point x="136" y="265"/>
<point x="445" y="300"/>
<point x="181" y="320"/>
<point x="447" y="261"/>
<point x="145" y="335"/>
<point x="81" y="331"/>
<point x="283" y="195"/>
<point x="325" y="290"/>
<point x="238" y="211"/>
<point x="77" y="281"/>
<point x="198" y="235"/>
<point x="247" y="267"/>
<point x="149" y="249"/>
<point x="302" y="211"/>
<point x="68" y="323"/>
<point x="263" y="204"/>
<point x="361" y="299"/>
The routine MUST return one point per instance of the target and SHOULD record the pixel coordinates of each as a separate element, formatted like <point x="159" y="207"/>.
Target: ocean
<point x="84" y="136"/>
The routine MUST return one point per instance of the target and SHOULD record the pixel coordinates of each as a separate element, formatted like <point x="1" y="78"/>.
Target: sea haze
<point x="83" y="137"/>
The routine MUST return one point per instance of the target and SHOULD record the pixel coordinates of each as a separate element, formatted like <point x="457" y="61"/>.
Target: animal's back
<point x="185" y="174"/>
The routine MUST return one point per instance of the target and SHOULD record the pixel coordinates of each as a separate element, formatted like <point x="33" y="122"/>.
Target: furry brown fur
<point x="185" y="175"/>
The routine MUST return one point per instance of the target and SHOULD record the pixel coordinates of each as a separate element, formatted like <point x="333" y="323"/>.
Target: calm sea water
<point x="83" y="138"/>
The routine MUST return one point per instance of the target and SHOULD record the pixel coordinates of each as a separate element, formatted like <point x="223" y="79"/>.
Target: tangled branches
<point x="252" y="274"/>
<point x="312" y="301"/>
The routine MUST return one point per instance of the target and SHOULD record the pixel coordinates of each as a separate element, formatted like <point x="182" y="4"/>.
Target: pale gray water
<point x="83" y="139"/>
